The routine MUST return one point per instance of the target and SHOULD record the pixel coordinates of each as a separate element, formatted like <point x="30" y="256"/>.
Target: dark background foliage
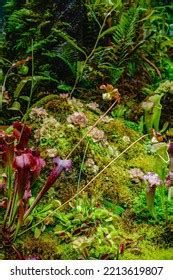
<point x="132" y="52"/>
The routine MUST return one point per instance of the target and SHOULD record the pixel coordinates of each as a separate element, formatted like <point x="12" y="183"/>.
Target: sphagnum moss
<point x="114" y="184"/>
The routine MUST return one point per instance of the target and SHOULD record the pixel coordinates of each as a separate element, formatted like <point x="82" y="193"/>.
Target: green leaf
<point x="148" y="16"/>
<point x="37" y="232"/>
<point x="15" y="106"/>
<point x="70" y="40"/>
<point x="100" y="213"/>
<point x="65" y="87"/>
<point x="23" y="70"/>
<point x="20" y="86"/>
<point x="164" y="128"/>
<point x="36" y="79"/>
<point x="108" y="31"/>
<point x="26" y="98"/>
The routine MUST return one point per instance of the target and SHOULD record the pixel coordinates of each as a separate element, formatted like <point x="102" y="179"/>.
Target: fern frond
<point x="70" y="40"/>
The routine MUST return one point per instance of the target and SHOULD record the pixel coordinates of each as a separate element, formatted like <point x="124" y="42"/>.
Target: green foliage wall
<point x="125" y="42"/>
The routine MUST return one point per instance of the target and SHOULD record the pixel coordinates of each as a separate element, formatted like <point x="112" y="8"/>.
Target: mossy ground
<point x="108" y="212"/>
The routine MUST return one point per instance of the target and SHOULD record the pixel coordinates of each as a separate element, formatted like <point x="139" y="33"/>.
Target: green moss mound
<point x="107" y="214"/>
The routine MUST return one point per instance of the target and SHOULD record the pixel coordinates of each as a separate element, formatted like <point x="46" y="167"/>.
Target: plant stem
<point x="3" y="86"/>
<point x="91" y="53"/>
<point x="89" y="183"/>
<point x="32" y="80"/>
<point x="81" y="167"/>
<point x="94" y="125"/>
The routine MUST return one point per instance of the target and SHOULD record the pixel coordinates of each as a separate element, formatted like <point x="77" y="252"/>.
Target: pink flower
<point x="136" y="175"/>
<point x="60" y="165"/>
<point x="27" y="195"/>
<point x="28" y="167"/>
<point x="40" y="164"/>
<point x="93" y="106"/>
<point x="24" y="165"/>
<point x="38" y="113"/>
<point x="107" y="87"/>
<point x="152" y="179"/>
<point x="111" y="93"/>
<point x="97" y="135"/>
<point x="78" y="118"/>
<point x="64" y="95"/>
<point x="24" y="161"/>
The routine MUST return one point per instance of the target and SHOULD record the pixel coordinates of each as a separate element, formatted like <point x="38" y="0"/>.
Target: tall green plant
<point x="152" y="108"/>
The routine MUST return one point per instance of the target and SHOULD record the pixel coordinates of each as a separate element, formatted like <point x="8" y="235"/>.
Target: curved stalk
<point x="91" y="53"/>
<point x="87" y="185"/>
<point x="93" y="126"/>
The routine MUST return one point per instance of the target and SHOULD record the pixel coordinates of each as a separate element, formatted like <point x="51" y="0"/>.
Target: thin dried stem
<point x="92" y="52"/>
<point x="94" y="125"/>
<point x="86" y="186"/>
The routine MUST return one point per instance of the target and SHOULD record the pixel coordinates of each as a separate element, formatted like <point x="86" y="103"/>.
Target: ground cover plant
<point x="86" y="136"/>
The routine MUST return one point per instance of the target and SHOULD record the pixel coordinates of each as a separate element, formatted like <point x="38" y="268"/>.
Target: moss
<point x="41" y="103"/>
<point x="59" y="108"/>
<point x="143" y="241"/>
<point x="145" y="162"/>
<point x="64" y="136"/>
<point x="69" y="253"/>
<point x="45" y="247"/>
<point x="113" y="184"/>
<point x="163" y="254"/>
<point x="92" y="117"/>
<point x="149" y="252"/>
<point x="66" y="186"/>
<point x="121" y="137"/>
<point x="117" y="128"/>
<point x="2" y="255"/>
<point x="97" y="149"/>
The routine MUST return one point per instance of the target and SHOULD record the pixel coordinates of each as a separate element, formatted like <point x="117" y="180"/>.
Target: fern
<point x="123" y="57"/>
<point x="70" y="40"/>
<point x="18" y="21"/>
<point x="99" y="4"/>
<point x="66" y="54"/>
<point x="125" y="32"/>
<point x="9" y="6"/>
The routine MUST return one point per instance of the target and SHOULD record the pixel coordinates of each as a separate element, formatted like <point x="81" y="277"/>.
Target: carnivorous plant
<point x="20" y="167"/>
